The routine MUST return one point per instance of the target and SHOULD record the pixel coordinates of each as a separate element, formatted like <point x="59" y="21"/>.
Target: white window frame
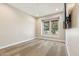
<point x="42" y="26"/>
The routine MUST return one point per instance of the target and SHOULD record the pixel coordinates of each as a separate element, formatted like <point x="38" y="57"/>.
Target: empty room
<point x="32" y="29"/>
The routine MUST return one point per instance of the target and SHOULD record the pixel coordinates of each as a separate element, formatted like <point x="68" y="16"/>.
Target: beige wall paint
<point x="38" y="27"/>
<point x="61" y="25"/>
<point x="74" y="16"/>
<point x="60" y="36"/>
<point x="72" y="35"/>
<point x="15" y="26"/>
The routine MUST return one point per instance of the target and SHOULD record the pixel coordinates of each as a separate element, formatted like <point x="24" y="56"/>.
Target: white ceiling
<point x="39" y="9"/>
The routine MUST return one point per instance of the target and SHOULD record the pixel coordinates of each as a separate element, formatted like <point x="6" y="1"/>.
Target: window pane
<point x="46" y="26"/>
<point x="54" y="26"/>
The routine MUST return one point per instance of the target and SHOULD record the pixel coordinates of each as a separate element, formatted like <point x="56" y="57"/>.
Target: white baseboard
<point x="8" y="45"/>
<point x="12" y="44"/>
<point x="58" y="40"/>
<point x="67" y="49"/>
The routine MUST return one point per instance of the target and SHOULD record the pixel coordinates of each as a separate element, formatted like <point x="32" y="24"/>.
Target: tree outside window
<point x="50" y="26"/>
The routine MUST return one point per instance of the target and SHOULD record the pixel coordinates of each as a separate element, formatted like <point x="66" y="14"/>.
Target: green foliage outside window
<point x="54" y="26"/>
<point x="46" y="26"/>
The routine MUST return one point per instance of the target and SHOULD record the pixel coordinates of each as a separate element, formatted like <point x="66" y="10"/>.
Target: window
<point x="50" y="26"/>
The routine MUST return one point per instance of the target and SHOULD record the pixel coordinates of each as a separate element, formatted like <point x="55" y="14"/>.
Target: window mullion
<point x="50" y="27"/>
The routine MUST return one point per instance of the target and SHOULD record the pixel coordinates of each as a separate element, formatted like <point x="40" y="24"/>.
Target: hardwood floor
<point x="36" y="47"/>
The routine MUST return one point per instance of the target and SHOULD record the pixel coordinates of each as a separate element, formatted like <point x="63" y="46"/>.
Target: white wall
<point x="15" y="26"/>
<point x="72" y="41"/>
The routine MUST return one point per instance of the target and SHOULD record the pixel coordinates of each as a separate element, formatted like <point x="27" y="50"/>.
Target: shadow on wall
<point x="15" y="26"/>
